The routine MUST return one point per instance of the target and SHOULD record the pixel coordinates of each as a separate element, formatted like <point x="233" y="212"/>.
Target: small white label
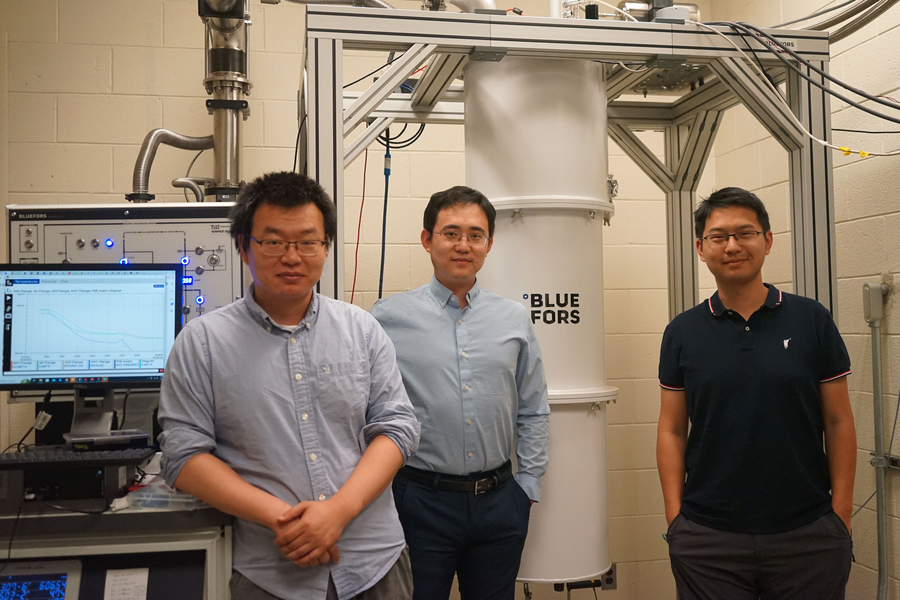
<point x="126" y="584"/>
<point x="41" y="421"/>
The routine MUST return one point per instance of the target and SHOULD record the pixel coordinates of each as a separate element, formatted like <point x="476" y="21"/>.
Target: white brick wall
<point x="867" y="207"/>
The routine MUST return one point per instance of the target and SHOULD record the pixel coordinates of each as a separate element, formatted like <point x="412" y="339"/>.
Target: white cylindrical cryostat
<point x="536" y="146"/>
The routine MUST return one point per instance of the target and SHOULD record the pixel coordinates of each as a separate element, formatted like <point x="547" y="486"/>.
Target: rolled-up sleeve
<point x="186" y="406"/>
<point x="389" y="411"/>
<point x="533" y="418"/>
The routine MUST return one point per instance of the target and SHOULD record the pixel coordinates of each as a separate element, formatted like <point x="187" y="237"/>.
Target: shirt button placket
<point x="308" y="437"/>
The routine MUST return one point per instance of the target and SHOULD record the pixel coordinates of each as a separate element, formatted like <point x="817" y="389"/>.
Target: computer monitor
<point x="90" y="328"/>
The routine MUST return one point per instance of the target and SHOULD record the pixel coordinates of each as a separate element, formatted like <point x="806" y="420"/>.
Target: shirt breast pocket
<point x="344" y="391"/>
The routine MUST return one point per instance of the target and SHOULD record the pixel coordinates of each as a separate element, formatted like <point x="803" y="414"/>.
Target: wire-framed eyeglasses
<point x="720" y="240"/>
<point x="453" y="237"/>
<point x="280" y="247"/>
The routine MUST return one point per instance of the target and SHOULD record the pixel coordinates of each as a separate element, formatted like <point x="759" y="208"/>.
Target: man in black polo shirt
<point x="758" y="494"/>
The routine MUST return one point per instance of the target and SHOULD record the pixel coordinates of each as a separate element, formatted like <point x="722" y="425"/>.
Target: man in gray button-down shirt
<point x="473" y="370"/>
<point x="286" y="409"/>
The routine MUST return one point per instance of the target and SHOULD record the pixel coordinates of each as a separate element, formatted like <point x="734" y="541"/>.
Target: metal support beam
<point x="368" y="136"/>
<point x="441" y="72"/>
<point x="762" y="102"/>
<point x="689" y="123"/>
<point x="812" y="194"/>
<point x="381" y="89"/>
<point x="449" y="110"/>
<point x="682" y="260"/>
<point x="696" y="148"/>
<point x="661" y="175"/>
<point x="622" y="80"/>
<point x="325" y="140"/>
<point x="687" y="150"/>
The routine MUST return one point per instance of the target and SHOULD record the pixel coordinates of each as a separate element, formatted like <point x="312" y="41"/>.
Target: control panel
<point x="195" y="235"/>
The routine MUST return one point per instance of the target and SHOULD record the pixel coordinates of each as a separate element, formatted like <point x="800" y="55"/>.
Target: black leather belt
<point x="475" y="483"/>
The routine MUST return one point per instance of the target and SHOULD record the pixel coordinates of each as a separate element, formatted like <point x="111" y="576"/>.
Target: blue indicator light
<point x="109" y="243"/>
<point x="200" y="299"/>
<point x="185" y="260"/>
<point x="187" y="280"/>
<point x="123" y="261"/>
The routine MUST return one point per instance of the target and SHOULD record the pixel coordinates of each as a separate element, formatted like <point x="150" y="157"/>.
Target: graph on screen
<point x="73" y="324"/>
<point x="85" y="326"/>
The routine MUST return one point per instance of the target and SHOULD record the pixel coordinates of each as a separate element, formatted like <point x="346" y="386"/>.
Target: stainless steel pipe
<point x="141" y="177"/>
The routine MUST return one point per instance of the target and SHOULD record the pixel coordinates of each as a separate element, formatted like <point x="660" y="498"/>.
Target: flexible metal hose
<point x="141" y="178"/>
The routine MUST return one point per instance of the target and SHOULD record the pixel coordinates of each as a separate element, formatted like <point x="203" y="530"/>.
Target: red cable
<point x="359" y="226"/>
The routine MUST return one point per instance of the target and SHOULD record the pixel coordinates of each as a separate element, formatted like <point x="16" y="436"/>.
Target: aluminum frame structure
<point x="447" y="41"/>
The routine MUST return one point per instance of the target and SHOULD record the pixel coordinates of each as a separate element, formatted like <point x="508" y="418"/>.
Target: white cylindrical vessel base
<point x="569" y="529"/>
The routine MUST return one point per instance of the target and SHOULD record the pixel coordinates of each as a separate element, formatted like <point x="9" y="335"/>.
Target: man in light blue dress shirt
<point x="286" y="409"/>
<point x="473" y="370"/>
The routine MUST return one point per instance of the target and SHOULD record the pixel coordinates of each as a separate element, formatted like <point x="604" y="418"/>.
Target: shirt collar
<point x="445" y="297"/>
<point x="265" y="321"/>
<point x="773" y="299"/>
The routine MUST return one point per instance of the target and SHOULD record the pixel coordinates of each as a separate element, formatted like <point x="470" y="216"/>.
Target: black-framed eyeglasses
<point x="720" y="240"/>
<point x="453" y="237"/>
<point x="280" y="247"/>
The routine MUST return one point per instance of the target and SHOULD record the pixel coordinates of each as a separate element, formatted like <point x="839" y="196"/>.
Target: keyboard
<point x="54" y="459"/>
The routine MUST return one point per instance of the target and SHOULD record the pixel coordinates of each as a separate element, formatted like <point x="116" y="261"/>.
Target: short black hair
<point x="725" y="198"/>
<point x="283" y="189"/>
<point x="455" y="196"/>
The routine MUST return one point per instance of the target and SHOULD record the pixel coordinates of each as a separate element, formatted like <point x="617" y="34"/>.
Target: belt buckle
<point x="484" y="485"/>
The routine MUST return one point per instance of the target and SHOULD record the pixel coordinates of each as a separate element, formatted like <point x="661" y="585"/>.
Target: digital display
<point x="187" y="280"/>
<point x="44" y="586"/>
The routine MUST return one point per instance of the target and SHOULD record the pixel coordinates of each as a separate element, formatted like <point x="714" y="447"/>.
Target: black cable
<point x="373" y="72"/>
<point x="762" y="69"/>
<point x="188" y="174"/>
<point x="894" y="430"/>
<point x="399" y="145"/>
<point x="778" y="50"/>
<point x="297" y="144"/>
<point x="861" y="506"/>
<point x="12" y="535"/>
<point x="382" y="138"/>
<point x="890" y="447"/>
<point x="865" y="131"/>
<point x="412" y="140"/>
<point x="20" y="447"/>
<point x="815" y="14"/>
<point x="124" y="409"/>
<point x="821" y="86"/>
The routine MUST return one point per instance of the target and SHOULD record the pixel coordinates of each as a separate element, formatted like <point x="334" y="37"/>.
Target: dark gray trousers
<point x="811" y="562"/>
<point x="396" y="584"/>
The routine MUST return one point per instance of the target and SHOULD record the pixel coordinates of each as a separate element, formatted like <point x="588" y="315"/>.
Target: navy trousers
<point x="478" y="538"/>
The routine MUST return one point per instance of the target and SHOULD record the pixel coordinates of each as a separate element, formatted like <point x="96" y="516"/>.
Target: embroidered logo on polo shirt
<point x="786" y="342"/>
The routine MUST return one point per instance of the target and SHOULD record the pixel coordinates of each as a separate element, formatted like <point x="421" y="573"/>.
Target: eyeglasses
<point x="280" y="247"/>
<point x="720" y="240"/>
<point x="452" y="237"/>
